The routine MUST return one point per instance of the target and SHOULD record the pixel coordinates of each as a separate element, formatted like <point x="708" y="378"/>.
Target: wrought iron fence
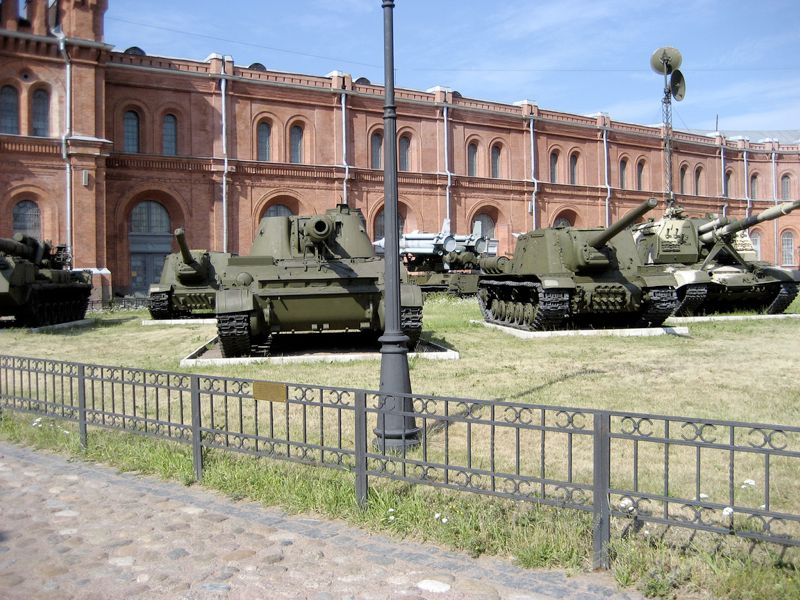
<point x="640" y="469"/>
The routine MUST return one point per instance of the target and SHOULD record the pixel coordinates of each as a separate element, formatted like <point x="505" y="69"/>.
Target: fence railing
<point x="725" y="477"/>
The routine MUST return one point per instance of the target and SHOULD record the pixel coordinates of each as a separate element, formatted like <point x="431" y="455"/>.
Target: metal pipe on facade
<point x="725" y="191"/>
<point x="344" y="149"/>
<point x="774" y="158"/>
<point x="747" y="186"/>
<point x="534" y="211"/>
<point x="224" y="110"/>
<point x="62" y="47"/>
<point x="447" y="162"/>
<point x="608" y="183"/>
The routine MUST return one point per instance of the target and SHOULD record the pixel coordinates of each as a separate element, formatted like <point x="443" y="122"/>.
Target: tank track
<point x="159" y="305"/>
<point x="693" y="297"/>
<point x="544" y="309"/>
<point x="786" y="294"/>
<point x="660" y="304"/>
<point x="411" y="324"/>
<point x="53" y="306"/>
<point x="234" y="334"/>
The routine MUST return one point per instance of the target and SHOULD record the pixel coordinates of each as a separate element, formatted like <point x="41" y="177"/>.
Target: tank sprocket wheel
<point x="234" y="334"/>
<point x="784" y="297"/>
<point x="659" y="305"/>
<point x="411" y="324"/>
<point x="690" y="298"/>
<point x="160" y="305"/>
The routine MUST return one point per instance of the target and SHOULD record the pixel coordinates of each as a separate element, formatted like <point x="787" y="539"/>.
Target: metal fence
<point x="725" y="477"/>
<point x="120" y="303"/>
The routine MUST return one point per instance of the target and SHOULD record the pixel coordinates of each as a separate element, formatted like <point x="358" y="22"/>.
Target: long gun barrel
<point x="766" y="215"/>
<point x="712" y="225"/>
<point x="16" y="248"/>
<point x="602" y="237"/>
<point x="180" y="236"/>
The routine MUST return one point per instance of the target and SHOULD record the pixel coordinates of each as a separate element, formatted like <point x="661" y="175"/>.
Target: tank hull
<point x="187" y="289"/>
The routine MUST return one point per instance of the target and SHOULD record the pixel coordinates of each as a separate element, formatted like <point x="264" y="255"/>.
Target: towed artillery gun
<point x="562" y="277"/>
<point x="308" y="274"/>
<point x="714" y="263"/>
<point x="188" y="282"/>
<point x="36" y="285"/>
<point x="444" y="262"/>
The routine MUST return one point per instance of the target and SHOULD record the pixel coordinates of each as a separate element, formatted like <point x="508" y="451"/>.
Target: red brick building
<point x="111" y="151"/>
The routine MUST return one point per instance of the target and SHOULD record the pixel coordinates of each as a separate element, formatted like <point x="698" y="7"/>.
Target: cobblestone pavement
<point x="79" y="530"/>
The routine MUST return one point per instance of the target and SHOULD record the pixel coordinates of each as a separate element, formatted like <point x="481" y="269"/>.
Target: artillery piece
<point x="444" y="262"/>
<point x="308" y="274"/>
<point x="714" y="264"/>
<point x="562" y="277"/>
<point x="188" y="282"/>
<point x="37" y="287"/>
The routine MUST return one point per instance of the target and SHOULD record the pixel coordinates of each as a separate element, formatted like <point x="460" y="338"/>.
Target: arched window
<point x="380" y="228"/>
<point x="563" y="221"/>
<point x="754" y="186"/>
<point x="130" y="131"/>
<point x="787" y="248"/>
<point x="9" y="110"/>
<point x="376" y="150"/>
<point x="296" y="142"/>
<point x="786" y="187"/>
<point x="169" y="135"/>
<point x="404" y="154"/>
<point x="755" y="239"/>
<point x="640" y="175"/>
<point x="472" y="159"/>
<point x="487" y="224"/>
<point x="263" y="134"/>
<point x="26" y="219"/>
<point x="278" y="210"/>
<point x="149" y="217"/>
<point x="40" y="113"/>
<point x="682" y="180"/>
<point x="698" y="181"/>
<point x="554" y="166"/>
<point x="573" y="169"/>
<point x="623" y="174"/>
<point x="149" y="242"/>
<point x="726" y="190"/>
<point x="496" y="161"/>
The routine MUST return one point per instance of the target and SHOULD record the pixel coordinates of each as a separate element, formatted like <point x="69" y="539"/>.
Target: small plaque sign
<point x="269" y="392"/>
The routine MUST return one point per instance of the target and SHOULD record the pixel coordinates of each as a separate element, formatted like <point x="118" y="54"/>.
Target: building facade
<point x="111" y="151"/>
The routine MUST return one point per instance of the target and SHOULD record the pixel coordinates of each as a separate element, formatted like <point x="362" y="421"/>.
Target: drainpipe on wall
<point x="747" y="187"/>
<point x="608" y="184"/>
<point x="344" y="149"/>
<point x="62" y="47"/>
<point x="447" y="162"/>
<point x="224" y="86"/>
<point x="778" y="258"/>
<point x="725" y="192"/>
<point x="534" y="212"/>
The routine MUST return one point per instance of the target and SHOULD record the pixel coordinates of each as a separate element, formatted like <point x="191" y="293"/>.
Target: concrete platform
<point x="631" y="332"/>
<point x="209" y="354"/>
<point x="82" y="324"/>
<point x="723" y="318"/>
<point x="148" y="322"/>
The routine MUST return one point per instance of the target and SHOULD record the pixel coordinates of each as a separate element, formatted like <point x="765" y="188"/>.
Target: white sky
<point x="741" y="58"/>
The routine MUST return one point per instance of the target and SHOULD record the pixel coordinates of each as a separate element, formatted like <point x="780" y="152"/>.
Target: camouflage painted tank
<point x="308" y="274"/>
<point x="565" y="277"/>
<point x="445" y="262"/>
<point x="189" y="282"/>
<point x="714" y="262"/>
<point x="37" y="287"/>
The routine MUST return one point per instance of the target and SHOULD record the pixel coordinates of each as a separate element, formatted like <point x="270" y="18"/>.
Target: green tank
<point x="563" y="277"/>
<point x="36" y="285"/>
<point x="308" y="274"/>
<point x="714" y="262"/>
<point x="188" y="283"/>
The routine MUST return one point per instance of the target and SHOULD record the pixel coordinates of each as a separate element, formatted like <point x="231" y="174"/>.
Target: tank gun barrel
<point x="10" y="246"/>
<point x="602" y="237"/>
<point x="765" y="215"/>
<point x="712" y="225"/>
<point x="180" y="236"/>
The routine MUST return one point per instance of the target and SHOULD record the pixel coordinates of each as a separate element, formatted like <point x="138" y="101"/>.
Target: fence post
<point x="360" y="441"/>
<point x="84" y="438"/>
<point x="602" y="482"/>
<point x="197" y="441"/>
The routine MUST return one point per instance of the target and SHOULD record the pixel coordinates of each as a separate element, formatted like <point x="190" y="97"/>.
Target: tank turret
<point x="304" y="275"/>
<point x="563" y="277"/>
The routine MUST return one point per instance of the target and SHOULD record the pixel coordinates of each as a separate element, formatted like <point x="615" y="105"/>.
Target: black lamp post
<point x="395" y="432"/>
